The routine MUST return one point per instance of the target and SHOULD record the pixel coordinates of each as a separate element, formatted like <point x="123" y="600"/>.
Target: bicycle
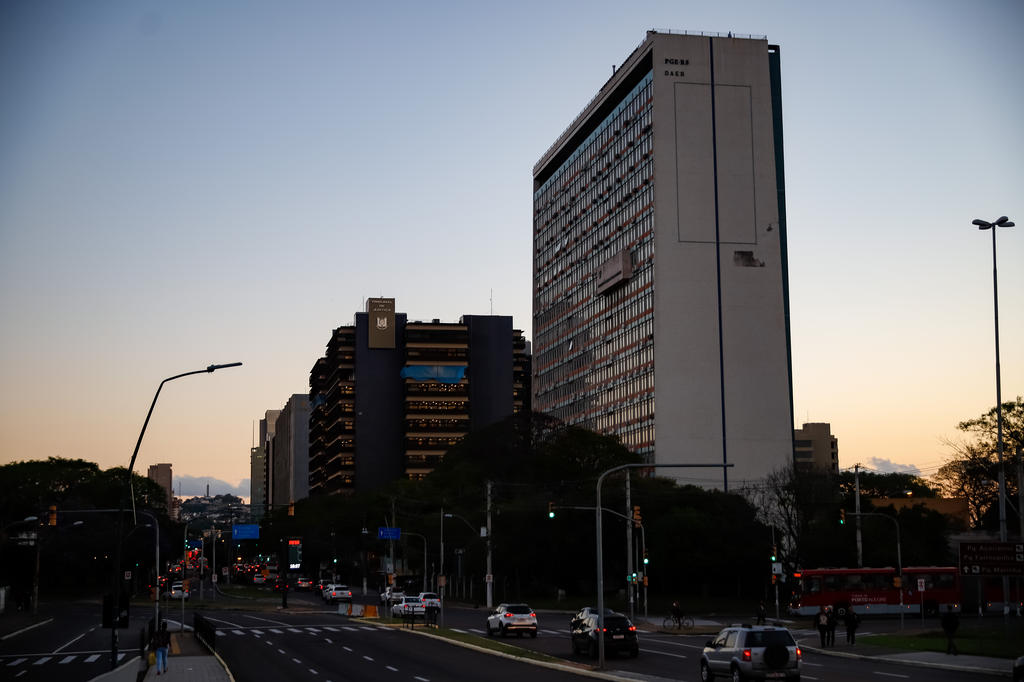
<point x="683" y="622"/>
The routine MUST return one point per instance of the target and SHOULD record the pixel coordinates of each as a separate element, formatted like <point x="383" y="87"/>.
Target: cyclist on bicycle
<point x="677" y="613"/>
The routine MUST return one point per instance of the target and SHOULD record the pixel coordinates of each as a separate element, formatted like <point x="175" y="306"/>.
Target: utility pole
<point x="856" y="483"/>
<point x="629" y="550"/>
<point x="490" y="574"/>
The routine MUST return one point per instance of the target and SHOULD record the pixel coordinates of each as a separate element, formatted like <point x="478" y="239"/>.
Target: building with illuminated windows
<point x="660" y="295"/>
<point x="390" y="396"/>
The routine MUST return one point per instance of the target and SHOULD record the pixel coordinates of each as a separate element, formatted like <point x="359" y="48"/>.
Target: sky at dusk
<point x="187" y="183"/>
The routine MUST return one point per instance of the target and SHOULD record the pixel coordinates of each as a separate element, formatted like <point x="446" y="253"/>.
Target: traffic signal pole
<point x="600" y="541"/>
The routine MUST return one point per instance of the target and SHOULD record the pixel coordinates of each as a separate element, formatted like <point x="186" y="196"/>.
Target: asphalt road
<point x="72" y="647"/>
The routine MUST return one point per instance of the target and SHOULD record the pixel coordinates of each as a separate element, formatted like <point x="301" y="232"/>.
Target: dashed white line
<point x="280" y="651"/>
<point x="42" y="660"/>
<point x="57" y="650"/>
<point x="348" y="649"/>
<point x="421" y="679"/>
<point x="331" y="629"/>
<point x="367" y="658"/>
<point x="293" y="630"/>
<point x="66" y="659"/>
<point x="276" y="632"/>
<point x="92" y="658"/>
<point x="394" y="670"/>
<point x="238" y="632"/>
<point x="313" y="672"/>
<point x="297" y="661"/>
<point x="257" y="632"/>
<point x="891" y="674"/>
<point x="328" y="640"/>
<point x="19" y="661"/>
<point x="312" y="630"/>
<point x="460" y="631"/>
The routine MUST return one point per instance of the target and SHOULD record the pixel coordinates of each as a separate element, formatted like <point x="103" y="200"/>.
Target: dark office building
<point x="390" y="396"/>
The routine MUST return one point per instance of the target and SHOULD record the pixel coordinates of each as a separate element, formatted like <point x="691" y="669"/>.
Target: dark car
<point x="620" y="635"/>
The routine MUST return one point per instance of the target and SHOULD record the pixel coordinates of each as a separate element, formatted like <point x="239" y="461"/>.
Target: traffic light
<point x="646" y="560"/>
<point x="551" y="510"/>
<point x="775" y="554"/>
<point x="637" y="519"/>
<point x="897" y="581"/>
<point x="291" y="509"/>
<point x="775" y="579"/>
<point x="53" y="515"/>
<point x="842" y="517"/>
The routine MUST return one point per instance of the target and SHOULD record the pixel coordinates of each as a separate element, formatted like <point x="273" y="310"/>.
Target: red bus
<point x="874" y="590"/>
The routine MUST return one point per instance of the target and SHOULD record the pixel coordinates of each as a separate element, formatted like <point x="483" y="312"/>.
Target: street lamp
<point x="115" y="597"/>
<point x="1002" y="221"/>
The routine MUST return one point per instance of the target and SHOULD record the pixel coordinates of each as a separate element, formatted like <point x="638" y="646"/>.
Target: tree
<point x="972" y="472"/>
<point x="881" y="485"/>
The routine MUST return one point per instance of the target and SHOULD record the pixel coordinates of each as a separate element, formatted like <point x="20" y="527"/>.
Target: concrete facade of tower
<point x="660" y="302"/>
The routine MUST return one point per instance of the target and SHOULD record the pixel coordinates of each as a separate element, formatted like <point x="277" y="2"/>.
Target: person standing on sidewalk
<point x="851" y="620"/>
<point x="761" y="613"/>
<point x="821" y="622"/>
<point x="950" y="623"/>
<point x="830" y="640"/>
<point x="161" y="642"/>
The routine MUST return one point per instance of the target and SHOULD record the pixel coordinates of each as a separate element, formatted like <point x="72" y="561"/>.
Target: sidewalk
<point x="984" y="665"/>
<point x="189" y="660"/>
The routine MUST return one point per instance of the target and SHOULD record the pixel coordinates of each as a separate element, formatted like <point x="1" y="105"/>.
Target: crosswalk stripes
<point x="65" y="659"/>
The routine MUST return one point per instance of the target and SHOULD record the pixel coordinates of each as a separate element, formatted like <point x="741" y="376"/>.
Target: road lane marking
<point x="890" y="674"/>
<point x="350" y="628"/>
<point x="394" y="670"/>
<point x="367" y="658"/>
<point x="459" y="631"/>
<point x="311" y="629"/>
<point x="276" y="632"/>
<point x="280" y="651"/>
<point x="92" y="659"/>
<point x="313" y="672"/>
<point x="238" y="632"/>
<point x="267" y="620"/>
<point x="294" y="630"/>
<point x="17" y="661"/>
<point x="18" y="632"/>
<point x="57" y="650"/>
<point x="662" y="653"/>
<point x="331" y="629"/>
<point x="21" y="672"/>
<point x="66" y="659"/>
<point x="297" y="661"/>
<point x="328" y="640"/>
<point x="348" y="649"/>
<point x="42" y="660"/>
<point x="421" y="679"/>
<point x="226" y="622"/>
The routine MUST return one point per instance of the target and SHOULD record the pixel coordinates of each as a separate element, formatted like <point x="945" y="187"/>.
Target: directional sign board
<point x="389" y="533"/>
<point x="992" y="558"/>
<point x="246" y="531"/>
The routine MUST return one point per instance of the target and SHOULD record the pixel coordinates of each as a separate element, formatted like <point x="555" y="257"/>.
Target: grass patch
<point x="994" y="640"/>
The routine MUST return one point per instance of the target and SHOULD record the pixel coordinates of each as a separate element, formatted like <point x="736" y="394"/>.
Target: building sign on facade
<point x="381" y="312"/>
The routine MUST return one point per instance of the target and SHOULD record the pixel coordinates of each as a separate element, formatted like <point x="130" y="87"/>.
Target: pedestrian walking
<point x="950" y="623"/>
<point x="161" y="642"/>
<point x="830" y="640"/>
<point x="852" y="622"/>
<point x="821" y="622"/>
<point x="762" y="612"/>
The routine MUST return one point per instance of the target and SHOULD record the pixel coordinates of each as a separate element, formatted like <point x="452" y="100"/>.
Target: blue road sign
<point x="247" y="531"/>
<point x="388" y="533"/>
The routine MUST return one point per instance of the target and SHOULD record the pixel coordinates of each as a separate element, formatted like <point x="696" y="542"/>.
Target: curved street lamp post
<point x="116" y="582"/>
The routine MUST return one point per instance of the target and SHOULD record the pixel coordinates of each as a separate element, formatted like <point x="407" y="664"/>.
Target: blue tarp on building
<point x="445" y="374"/>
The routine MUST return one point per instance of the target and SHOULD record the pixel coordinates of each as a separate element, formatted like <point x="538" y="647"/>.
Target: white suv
<point x="517" y="618"/>
<point x="752" y="652"/>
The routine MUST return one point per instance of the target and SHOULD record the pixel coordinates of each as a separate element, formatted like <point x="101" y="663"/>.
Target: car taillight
<point x="632" y="628"/>
<point x="533" y="615"/>
<point x="799" y="654"/>
<point x="508" y="615"/>
<point x="746" y="654"/>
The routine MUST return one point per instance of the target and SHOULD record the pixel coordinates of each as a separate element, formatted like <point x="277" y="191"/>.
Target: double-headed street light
<point x="1002" y="221"/>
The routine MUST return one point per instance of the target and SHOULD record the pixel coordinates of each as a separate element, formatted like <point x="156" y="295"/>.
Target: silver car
<point x="752" y="652"/>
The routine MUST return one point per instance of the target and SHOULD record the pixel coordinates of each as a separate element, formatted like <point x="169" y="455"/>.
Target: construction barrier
<point x="358" y="610"/>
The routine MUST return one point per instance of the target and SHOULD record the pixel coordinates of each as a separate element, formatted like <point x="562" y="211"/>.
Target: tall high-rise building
<point x="290" y="458"/>
<point x="161" y="473"/>
<point x="257" y="481"/>
<point x="267" y="426"/>
<point x="391" y="396"/>
<point x="660" y="302"/>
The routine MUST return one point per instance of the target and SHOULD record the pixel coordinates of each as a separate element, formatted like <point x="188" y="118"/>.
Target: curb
<point x="903" y="661"/>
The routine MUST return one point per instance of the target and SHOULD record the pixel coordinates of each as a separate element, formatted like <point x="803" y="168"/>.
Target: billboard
<point x="992" y="558"/>
<point x="247" y="531"/>
<point x="381" y="313"/>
